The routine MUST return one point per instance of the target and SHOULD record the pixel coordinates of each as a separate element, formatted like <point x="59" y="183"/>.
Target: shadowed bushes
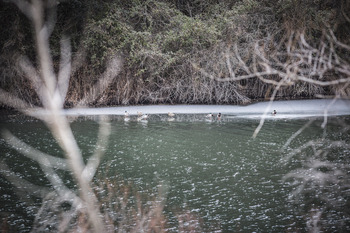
<point x="160" y="41"/>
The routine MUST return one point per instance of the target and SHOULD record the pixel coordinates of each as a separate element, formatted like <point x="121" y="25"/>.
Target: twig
<point x="296" y="134"/>
<point x="102" y="142"/>
<point x="267" y="109"/>
<point x="34" y="154"/>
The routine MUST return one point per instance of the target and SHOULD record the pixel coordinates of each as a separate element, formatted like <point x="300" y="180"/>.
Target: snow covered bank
<point x="285" y="109"/>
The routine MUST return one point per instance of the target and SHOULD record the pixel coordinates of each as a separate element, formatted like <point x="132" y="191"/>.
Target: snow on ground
<point x="285" y="109"/>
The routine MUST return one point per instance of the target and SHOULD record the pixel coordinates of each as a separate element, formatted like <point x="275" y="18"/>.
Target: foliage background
<point x="161" y="41"/>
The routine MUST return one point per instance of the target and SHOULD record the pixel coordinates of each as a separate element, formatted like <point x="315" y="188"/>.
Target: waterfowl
<point x="139" y="114"/>
<point x="274" y="112"/>
<point x="126" y="116"/>
<point x="171" y="114"/>
<point x="143" y="117"/>
<point x="210" y="115"/>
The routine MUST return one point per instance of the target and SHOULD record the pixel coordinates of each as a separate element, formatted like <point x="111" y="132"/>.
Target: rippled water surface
<point x="213" y="168"/>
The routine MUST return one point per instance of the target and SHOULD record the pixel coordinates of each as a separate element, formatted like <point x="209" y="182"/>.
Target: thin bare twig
<point x="267" y="109"/>
<point x="65" y="67"/>
<point x="52" y="91"/>
<point x="101" y="145"/>
<point x="113" y="68"/>
<point x="34" y="154"/>
<point x="296" y="134"/>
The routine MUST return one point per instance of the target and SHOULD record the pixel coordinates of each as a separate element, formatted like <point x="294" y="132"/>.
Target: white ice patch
<point x="285" y="109"/>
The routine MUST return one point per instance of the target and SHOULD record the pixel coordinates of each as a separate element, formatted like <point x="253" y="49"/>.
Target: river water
<point x="210" y="167"/>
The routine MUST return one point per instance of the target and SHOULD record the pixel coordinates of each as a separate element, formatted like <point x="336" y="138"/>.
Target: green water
<point x="215" y="169"/>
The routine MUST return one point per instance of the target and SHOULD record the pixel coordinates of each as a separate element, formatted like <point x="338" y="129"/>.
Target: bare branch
<point x="238" y="78"/>
<point x="43" y="49"/>
<point x="62" y="132"/>
<point x="343" y="12"/>
<point x="337" y="42"/>
<point x="51" y="16"/>
<point x="101" y="145"/>
<point x="229" y="67"/>
<point x="57" y="183"/>
<point x="32" y="74"/>
<point x="25" y="7"/>
<point x="267" y="109"/>
<point x="113" y="68"/>
<point x="241" y="62"/>
<point x="34" y="154"/>
<point x="51" y="93"/>
<point x="296" y="134"/>
<point x="78" y="59"/>
<point x="12" y="101"/>
<point x="21" y="184"/>
<point x="325" y="114"/>
<point x="65" y="67"/>
<point x="46" y="163"/>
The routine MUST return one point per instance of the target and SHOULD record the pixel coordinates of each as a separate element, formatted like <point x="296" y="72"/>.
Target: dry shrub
<point x="126" y="210"/>
<point x="122" y="208"/>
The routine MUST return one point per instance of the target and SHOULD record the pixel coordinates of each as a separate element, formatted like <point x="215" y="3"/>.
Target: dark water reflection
<point x="212" y="168"/>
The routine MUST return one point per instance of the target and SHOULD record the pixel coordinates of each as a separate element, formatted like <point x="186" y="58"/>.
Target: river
<point x="212" y="167"/>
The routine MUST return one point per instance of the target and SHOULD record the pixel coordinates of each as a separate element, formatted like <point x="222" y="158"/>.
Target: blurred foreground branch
<point x="52" y="90"/>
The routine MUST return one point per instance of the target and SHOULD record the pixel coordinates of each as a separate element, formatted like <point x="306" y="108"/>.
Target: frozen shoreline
<point x="285" y="109"/>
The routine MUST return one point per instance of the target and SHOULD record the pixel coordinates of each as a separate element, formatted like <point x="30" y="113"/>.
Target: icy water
<point x="213" y="168"/>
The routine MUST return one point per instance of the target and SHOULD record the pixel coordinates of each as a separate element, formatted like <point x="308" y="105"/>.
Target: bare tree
<point x="52" y="89"/>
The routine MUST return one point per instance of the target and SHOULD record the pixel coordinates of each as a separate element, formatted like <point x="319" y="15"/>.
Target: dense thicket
<point x="163" y="43"/>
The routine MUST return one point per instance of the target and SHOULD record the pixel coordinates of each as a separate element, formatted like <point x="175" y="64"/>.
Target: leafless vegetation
<point x="305" y="66"/>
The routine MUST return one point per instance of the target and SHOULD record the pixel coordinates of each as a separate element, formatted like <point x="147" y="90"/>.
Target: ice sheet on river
<point x="285" y="109"/>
